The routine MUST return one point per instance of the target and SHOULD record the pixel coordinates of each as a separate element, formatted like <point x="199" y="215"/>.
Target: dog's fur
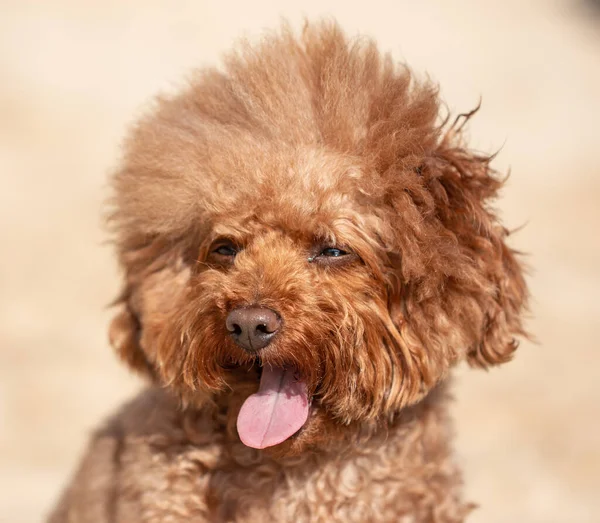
<point x="297" y="144"/>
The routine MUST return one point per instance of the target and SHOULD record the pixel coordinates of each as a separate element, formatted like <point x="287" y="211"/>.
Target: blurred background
<point x="74" y="74"/>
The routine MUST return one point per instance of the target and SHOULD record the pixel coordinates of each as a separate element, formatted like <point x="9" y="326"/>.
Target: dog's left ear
<point x="503" y="314"/>
<point x="463" y="185"/>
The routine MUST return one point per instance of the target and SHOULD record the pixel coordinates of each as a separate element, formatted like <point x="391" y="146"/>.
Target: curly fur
<point x="298" y="143"/>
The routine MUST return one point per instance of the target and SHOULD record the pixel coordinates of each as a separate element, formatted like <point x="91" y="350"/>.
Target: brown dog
<point x="307" y="252"/>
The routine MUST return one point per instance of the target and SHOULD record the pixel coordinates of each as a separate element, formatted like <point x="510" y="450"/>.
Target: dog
<point x="308" y="249"/>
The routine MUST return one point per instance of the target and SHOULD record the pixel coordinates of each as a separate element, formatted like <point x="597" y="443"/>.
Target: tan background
<point x="74" y="73"/>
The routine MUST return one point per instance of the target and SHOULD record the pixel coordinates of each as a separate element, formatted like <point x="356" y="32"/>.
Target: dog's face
<point x="299" y="235"/>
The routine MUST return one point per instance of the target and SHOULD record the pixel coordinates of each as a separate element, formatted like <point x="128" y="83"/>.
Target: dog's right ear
<point x="150" y="272"/>
<point x="124" y="336"/>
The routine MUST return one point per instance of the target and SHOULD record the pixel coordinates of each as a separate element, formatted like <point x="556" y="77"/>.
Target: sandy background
<point x="73" y="74"/>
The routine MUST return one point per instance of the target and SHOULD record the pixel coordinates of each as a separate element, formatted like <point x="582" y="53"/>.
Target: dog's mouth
<point x="277" y="411"/>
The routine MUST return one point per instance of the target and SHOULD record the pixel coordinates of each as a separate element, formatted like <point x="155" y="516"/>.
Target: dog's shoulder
<point x="143" y="464"/>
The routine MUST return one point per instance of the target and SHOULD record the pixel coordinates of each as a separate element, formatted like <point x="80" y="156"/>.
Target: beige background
<point x="74" y="73"/>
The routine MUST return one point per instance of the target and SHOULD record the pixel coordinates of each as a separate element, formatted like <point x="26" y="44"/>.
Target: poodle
<point x="307" y="249"/>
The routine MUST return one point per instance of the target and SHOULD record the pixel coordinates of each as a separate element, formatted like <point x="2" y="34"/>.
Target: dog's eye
<point x="333" y="252"/>
<point x="333" y="256"/>
<point x="226" y="250"/>
<point x="223" y="253"/>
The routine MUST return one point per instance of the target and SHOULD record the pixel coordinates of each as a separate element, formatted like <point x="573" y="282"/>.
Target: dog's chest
<point x="205" y="483"/>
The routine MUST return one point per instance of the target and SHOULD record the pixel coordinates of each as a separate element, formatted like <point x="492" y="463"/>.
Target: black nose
<point x="253" y="328"/>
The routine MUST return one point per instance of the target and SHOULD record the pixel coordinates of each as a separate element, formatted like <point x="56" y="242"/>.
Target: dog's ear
<point x="464" y="184"/>
<point x="503" y="316"/>
<point x="124" y="335"/>
<point x="143" y="261"/>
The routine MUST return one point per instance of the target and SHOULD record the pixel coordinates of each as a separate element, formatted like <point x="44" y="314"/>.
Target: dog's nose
<point x="253" y="328"/>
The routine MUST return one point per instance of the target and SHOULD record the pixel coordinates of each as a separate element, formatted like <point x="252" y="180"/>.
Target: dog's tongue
<point x="276" y="411"/>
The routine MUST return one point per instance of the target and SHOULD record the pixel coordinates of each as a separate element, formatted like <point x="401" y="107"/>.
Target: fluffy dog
<point x="307" y="251"/>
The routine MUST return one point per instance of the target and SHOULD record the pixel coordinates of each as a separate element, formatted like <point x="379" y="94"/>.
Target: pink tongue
<point x="276" y="411"/>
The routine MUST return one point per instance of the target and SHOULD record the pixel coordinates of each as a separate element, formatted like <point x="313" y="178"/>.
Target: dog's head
<point x="303" y="221"/>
